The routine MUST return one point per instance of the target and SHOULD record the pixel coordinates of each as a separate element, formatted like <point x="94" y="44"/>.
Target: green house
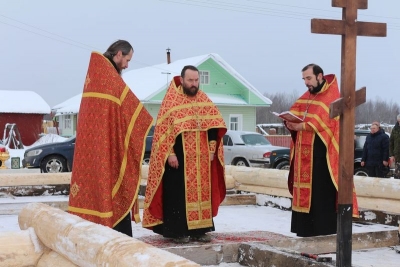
<point x="235" y="97"/>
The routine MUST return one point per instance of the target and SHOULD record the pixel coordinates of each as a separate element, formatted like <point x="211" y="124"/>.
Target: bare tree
<point x="372" y="110"/>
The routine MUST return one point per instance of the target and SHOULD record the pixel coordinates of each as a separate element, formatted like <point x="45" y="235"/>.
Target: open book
<point x="288" y="116"/>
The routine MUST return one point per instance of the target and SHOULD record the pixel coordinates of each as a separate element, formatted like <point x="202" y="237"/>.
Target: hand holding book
<point x="288" y="116"/>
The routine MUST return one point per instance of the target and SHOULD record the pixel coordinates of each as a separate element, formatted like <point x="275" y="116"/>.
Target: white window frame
<point x="236" y="122"/>
<point x="67" y="122"/>
<point x="204" y="75"/>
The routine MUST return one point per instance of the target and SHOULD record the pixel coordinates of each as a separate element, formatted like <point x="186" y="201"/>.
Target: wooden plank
<point x="361" y="96"/>
<point x="336" y="107"/>
<point x="19" y="249"/>
<point x="14" y="179"/>
<point x="327" y="26"/>
<point x="239" y="199"/>
<point x="373" y="29"/>
<point x="361" y="4"/>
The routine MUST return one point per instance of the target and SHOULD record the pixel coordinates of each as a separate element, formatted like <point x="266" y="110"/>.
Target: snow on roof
<point x="22" y="102"/>
<point x="70" y="105"/>
<point x="146" y="82"/>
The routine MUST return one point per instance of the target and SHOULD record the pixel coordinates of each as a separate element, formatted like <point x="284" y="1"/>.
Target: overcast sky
<point x="46" y="44"/>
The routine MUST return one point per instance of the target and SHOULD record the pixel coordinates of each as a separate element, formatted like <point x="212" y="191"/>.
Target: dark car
<point x="58" y="157"/>
<point x="279" y="159"/>
<point x="52" y="157"/>
<point x="359" y="139"/>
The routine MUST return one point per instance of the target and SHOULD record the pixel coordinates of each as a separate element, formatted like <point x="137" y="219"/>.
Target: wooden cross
<point x="349" y="28"/>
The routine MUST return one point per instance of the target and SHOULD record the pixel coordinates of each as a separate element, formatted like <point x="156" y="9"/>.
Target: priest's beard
<point x="190" y="91"/>
<point x="315" y="89"/>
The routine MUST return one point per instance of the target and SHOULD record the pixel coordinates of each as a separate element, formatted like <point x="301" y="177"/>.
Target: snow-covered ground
<point x="262" y="218"/>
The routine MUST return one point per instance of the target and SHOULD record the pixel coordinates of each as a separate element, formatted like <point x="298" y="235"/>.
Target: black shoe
<point x="181" y="240"/>
<point x="201" y="238"/>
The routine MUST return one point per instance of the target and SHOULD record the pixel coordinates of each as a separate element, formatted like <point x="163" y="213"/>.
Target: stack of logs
<point x="52" y="237"/>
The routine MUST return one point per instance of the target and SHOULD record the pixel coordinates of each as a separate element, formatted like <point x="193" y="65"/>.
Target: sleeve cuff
<point x="212" y="146"/>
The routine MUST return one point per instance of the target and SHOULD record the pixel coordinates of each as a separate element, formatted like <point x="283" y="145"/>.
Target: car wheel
<point x="284" y="165"/>
<point x="240" y="162"/>
<point x="53" y="164"/>
<point x="360" y="171"/>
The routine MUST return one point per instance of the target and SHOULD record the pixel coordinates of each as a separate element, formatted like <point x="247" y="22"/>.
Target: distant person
<point x="313" y="175"/>
<point x="111" y="132"/>
<point x="186" y="180"/>
<point x="376" y="152"/>
<point x="394" y="147"/>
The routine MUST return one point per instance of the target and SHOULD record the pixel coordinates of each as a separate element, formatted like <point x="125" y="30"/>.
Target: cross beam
<point x="349" y="28"/>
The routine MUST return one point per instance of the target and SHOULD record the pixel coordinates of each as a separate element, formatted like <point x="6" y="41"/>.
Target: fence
<point x="279" y="140"/>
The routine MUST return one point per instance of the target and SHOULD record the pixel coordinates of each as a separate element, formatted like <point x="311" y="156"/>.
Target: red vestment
<point x="204" y="180"/>
<point x="315" y="110"/>
<point x="111" y="132"/>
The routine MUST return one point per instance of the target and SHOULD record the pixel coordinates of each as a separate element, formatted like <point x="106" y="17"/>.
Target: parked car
<point x="51" y="157"/>
<point x="359" y="139"/>
<point x="249" y="149"/>
<point x="59" y="157"/>
<point x="280" y="158"/>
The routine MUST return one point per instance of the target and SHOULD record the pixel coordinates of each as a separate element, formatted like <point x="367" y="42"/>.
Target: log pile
<point x="51" y="237"/>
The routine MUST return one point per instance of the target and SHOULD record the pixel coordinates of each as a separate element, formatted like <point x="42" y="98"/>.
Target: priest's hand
<point x="211" y="156"/>
<point x="173" y="161"/>
<point x="295" y="126"/>
<point x="385" y="163"/>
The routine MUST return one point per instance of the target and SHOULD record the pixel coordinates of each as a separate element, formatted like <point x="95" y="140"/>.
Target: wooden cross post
<point x="349" y="28"/>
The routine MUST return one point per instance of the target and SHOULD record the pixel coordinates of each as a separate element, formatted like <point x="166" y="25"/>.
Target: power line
<point x="43" y="35"/>
<point x="62" y="41"/>
<point x="264" y="11"/>
<point x="23" y="23"/>
<point x="317" y="9"/>
<point x="230" y="8"/>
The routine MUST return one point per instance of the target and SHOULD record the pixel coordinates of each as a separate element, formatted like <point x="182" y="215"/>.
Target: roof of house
<point x="148" y="81"/>
<point x="27" y="102"/>
<point x="70" y="105"/>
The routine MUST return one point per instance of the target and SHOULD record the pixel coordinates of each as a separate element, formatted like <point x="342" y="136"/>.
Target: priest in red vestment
<point x="110" y="141"/>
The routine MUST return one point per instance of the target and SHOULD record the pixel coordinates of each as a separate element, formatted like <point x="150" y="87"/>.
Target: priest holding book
<point x="314" y="157"/>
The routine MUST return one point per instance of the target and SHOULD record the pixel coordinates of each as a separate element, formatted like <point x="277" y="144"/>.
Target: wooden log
<point x="10" y="206"/>
<point x="87" y="244"/>
<point x="35" y="190"/>
<point x="381" y="204"/>
<point x="230" y="182"/>
<point x="14" y="205"/>
<point x="272" y="191"/>
<point x="20" y="248"/>
<point x="238" y="199"/>
<point x="377" y="187"/>
<point x="18" y="179"/>
<point x="49" y="258"/>
<point x="261" y="177"/>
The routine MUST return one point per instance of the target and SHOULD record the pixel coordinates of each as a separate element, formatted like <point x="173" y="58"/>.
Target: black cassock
<point x="174" y="197"/>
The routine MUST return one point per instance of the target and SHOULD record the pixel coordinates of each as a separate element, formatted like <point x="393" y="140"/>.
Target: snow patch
<point x="369" y="216"/>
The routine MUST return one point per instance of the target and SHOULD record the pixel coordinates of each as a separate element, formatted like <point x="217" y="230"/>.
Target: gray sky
<point x="46" y="44"/>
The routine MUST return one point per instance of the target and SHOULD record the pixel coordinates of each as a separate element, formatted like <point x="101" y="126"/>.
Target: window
<point x="227" y="141"/>
<point x="204" y="77"/>
<point x="235" y="122"/>
<point x="67" y="122"/>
